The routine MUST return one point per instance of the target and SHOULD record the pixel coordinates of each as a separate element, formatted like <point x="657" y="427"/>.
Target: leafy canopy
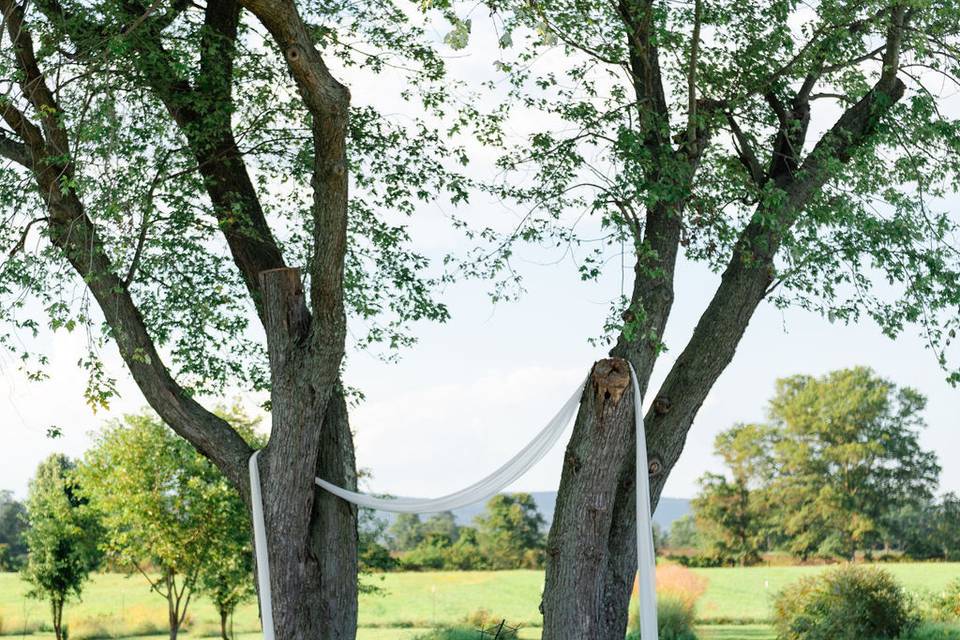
<point x="724" y="116"/>
<point x="149" y="95"/>
<point x="839" y="458"/>
<point x="167" y="510"/>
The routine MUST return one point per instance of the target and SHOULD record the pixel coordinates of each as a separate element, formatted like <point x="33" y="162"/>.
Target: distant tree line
<point x="507" y="535"/>
<point x="837" y="470"/>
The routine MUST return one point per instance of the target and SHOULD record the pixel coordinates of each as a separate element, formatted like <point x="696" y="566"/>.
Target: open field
<point x="119" y="606"/>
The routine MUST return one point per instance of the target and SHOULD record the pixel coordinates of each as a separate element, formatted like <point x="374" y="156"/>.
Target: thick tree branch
<point x="657" y="249"/>
<point x="209" y="133"/>
<point x="14" y="151"/>
<point x="692" y="75"/>
<point x="74" y="233"/>
<point x="327" y="101"/>
<point x="652" y="296"/>
<point x="750" y="271"/>
<point x="745" y="152"/>
<point x="637" y="16"/>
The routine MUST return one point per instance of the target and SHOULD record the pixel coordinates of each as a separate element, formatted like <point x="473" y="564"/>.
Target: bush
<point x="699" y="561"/>
<point x="849" y="603"/>
<point x="930" y="631"/>
<point x="675" y="620"/>
<point x="448" y="633"/>
<point x="483" y="619"/>
<point x="678" y="582"/>
<point x="946" y="605"/>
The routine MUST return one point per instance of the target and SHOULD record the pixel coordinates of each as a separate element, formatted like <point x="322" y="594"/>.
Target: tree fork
<point x="312" y="537"/>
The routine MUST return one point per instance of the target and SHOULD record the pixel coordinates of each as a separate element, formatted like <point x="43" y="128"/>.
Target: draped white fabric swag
<point x="482" y="490"/>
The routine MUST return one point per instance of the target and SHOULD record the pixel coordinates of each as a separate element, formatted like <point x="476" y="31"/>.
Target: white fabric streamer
<point x="646" y="556"/>
<point x="260" y="550"/>
<point x="489" y="486"/>
<point x="479" y="491"/>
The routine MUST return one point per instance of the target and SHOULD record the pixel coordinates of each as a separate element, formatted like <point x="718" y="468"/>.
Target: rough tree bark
<point x="591" y="555"/>
<point x="312" y="537"/>
<point x="596" y="463"/>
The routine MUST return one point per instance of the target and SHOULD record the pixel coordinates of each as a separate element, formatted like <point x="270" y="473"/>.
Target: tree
<point x="406" y="532"/>
<point x="848" y="453"/>
<point x="733" y="516"/>
<point x="465" y="554"/>
<point x="509" y="531"/>
<point x="373" y="554"/>
<point x="660" y="538"/>
<point x="839" y="461"/>
<point x="442" y="524"/>
<point x="226" y="575"/>
<point x="62" y="537"/>
<point x="684" y="533"/>
<point x="927" y="530"/>
<point x="168" y="511"/>
<point x="13" y="547"/>
<point x="796" y="150"/>
<point x="727" y="520"/>
<point x="135" y="171"/>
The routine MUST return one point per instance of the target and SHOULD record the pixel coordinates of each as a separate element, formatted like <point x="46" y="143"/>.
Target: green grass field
<point x="734" y="607"/>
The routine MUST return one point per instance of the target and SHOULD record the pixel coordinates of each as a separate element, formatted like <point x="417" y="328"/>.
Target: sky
<point x="473" y="391"/>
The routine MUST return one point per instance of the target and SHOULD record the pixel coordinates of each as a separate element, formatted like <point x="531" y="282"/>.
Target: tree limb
<point x="74" y="233"/>
<point x="692" y="75"/>
<point x="328" y="102"/>
<point x="14" y="151"/>
<point x="209" y="134"/>
<point x="745" y="152"/>
<point x="750" y="271"/>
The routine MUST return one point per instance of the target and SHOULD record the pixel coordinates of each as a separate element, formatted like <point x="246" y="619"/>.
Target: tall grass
<point x="137" y="620"/>
<point x="678" y="591"/>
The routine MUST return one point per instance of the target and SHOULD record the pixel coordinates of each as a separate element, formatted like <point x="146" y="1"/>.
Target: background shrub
<point x="849" y="603"/>
<point x="459" y="633"/>
<point x="931" y="631"/>
<point x="680" y="583"/>
<point x="946" y="605"/>
<point x="678" y="590"/>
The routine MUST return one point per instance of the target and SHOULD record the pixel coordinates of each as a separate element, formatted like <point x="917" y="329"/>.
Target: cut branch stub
<point x="662" y="405"/>
<point x="286" y="317"/>
<point x="610" y="378"/>
<point x="654" y="465"/>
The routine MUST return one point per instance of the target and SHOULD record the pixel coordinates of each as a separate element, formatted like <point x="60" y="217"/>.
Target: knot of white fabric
<point x="479" y="491"/>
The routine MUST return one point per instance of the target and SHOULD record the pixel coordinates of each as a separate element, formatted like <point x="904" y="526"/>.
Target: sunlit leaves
<point x="136" y="173"/>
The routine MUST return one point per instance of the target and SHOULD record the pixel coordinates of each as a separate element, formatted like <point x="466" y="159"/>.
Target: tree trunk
<point x="224" y="614"/>
<point x="56" y="604"/>
<point x="591" y="552"/>
<point x="174" y="620"/>
<point x="312" y="536"/>
<point x="313" y="564"/>
<point x="173" y="605"/>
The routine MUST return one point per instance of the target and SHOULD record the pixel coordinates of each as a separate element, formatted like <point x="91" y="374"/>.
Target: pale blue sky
<point x="473" y="391"/>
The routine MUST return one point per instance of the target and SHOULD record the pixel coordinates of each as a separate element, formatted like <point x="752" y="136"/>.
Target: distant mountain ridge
<point x="668" y="510"/>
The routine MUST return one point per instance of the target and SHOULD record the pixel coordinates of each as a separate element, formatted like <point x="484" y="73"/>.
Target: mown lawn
<point x="745" y="594"/>
<point x="119" y="606"/>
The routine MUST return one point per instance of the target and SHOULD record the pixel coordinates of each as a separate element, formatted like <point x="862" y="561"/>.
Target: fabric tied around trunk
<point x="482" y="490"/>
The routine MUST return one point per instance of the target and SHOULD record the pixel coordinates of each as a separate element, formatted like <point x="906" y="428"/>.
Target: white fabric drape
<point x="489" y="486"/>
<point x="646" y="556"/>
<point x="479" y="491"/>
<point x="260" y="550"/>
